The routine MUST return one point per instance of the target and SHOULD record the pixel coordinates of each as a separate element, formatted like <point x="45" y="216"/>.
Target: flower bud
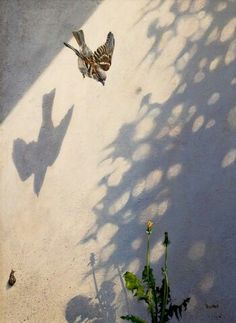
<point x="149" y="226"/>
<point x="166" y="241"/>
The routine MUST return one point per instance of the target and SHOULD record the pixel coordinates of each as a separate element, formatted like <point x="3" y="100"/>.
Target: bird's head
<point x="100" y="76"/>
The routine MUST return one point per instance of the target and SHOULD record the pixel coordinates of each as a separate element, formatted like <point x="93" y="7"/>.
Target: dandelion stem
<point x="148" y="255"/>
<point x="165" y="286"/>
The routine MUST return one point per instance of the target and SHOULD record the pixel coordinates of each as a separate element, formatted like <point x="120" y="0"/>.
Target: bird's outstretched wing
<point x="103" y="55"/>
<point x="79" y="36"/>
<point x="84" y="49"/>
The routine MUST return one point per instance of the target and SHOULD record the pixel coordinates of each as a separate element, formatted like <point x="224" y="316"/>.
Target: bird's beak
<point x="103" y="83"/>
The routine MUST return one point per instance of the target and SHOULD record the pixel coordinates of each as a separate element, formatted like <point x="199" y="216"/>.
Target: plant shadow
<point x="99" y="310"/>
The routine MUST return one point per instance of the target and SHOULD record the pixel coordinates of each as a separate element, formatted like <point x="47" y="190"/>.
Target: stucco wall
<point x="84" y="166"/>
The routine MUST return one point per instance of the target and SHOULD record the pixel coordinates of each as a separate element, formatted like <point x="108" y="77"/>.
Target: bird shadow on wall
<point x="35" y="157"/>
<point x="99" y="310"/>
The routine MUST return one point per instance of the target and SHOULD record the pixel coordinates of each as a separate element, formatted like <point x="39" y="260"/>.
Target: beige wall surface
<point x="83" y="166"/>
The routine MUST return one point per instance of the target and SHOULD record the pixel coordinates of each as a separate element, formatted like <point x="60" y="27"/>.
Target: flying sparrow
<point x="93" y="64"/>
<point x="12" y="278"/>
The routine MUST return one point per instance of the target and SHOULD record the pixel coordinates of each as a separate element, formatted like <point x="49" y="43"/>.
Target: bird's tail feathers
<point x="79" y="36"/>
<point x="74" y="50"/>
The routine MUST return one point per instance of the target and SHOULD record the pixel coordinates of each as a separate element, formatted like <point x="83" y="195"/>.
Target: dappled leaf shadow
<point x="175" y="162"/>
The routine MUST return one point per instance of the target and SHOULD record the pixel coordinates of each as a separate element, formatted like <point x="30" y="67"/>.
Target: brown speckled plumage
<point x="93" y="65"/>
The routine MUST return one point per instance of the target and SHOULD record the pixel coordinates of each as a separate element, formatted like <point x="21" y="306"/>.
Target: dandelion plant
<point x="157" y="298"/>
